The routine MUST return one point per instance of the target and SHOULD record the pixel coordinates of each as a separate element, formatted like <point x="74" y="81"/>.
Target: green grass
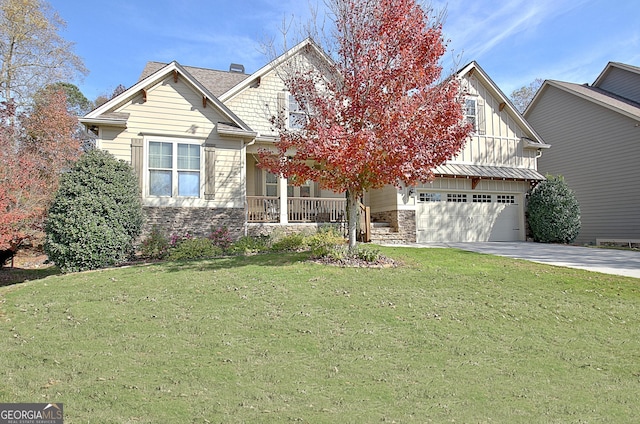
<point x="450" y="336"/>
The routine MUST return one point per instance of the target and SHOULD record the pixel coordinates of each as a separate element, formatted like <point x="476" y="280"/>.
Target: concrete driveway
<point x="608" y="261"/>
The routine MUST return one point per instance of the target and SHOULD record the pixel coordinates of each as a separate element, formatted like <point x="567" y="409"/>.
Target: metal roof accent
<point x="487" y="172"/>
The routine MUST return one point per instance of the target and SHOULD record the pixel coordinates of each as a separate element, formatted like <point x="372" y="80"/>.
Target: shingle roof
<point x="217" y="82"/>
<point x="601" y="96"/>
<point x="494" y="172"/>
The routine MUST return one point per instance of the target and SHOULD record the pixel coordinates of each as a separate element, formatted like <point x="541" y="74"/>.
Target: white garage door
<point x="460" y="217"/>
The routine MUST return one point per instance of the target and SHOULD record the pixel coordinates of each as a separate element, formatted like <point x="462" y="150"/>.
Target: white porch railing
<point x="299" y="209"/>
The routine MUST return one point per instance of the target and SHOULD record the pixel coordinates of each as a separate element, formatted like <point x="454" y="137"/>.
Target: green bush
<point x="155" y="246"/>
<point x="250" y="244"/>
<point x="95" y="216"/>
<point x="194" y="248"/>
<point x="289" y="243"/>
<point x="553" y="212"/>
<point x="327" y="241"/>
<point x="366" y="253"/>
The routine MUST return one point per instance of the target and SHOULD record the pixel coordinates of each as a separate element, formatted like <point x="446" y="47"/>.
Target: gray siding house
<point x="595" y="133"/>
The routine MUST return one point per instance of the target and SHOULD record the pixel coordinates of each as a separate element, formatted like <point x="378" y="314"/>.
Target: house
<point x="193" y="137"/>
<point x="480" y="194"/>
<point x="595" y="130"/>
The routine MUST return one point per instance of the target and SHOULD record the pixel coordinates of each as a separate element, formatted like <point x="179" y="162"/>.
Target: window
<point x="505" y="198"/>
<point x="429" y="197"/>
<point x="471" y="112"/>
<point x="458" y="198"/>
<point x="271" y="185"/>
<point x="481" y="198"/>
<point x="174" y="169"/>
<point x="297" y="114"/>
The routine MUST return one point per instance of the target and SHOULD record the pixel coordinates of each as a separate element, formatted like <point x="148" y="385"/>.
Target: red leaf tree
<point x="34" y="149"/>
<point x="384" y="116"/>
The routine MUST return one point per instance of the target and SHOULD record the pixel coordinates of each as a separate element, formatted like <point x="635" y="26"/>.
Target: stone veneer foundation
<point x="195" y="221"/>
<point x="403" y="223"/>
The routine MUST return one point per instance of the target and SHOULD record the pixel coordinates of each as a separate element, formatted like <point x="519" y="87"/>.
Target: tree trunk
<point x="352" y="217"/>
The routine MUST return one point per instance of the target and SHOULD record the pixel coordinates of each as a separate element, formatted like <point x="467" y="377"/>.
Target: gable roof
<point x="217" y="82"/>
<point x="533" y="140"/>
<point x="592" y="94"/>
<point x="307" y="43"/>
<point x="98" y="115"/>
<point x="612" y="65"/>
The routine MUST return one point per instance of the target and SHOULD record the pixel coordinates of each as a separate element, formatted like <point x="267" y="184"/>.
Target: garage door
<point x="459" y="217"/>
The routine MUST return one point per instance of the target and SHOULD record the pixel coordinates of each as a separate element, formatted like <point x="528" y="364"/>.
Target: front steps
<point x="383" y="233"/>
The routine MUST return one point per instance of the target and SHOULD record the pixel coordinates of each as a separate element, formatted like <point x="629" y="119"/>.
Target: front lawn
<point x="449" y="336"/>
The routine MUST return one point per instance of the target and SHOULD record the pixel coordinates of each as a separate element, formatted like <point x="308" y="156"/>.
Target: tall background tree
<point x="32" y="52"/>
<point x="384" y="115"/>
<point x="38" y="124"/>
<point x="523" y="95"/>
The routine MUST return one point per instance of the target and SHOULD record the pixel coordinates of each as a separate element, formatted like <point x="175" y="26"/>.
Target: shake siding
<point x="256" y="104"/>
<point x="597" y="150"/>
<point x="623" y="83"/>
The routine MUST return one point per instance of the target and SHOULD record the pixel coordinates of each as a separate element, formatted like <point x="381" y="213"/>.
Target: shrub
<point x="221" y="237"/>
<point x="194" y="248"/>
<point x="95" y="216"/>
<point x="289" y="243"/>
<point x="553" y="212"/>
<point x="365" y="253"/>
<point x="155" y="246"/>
<point x="250" y="244"/>
<point x="327" y="241"/>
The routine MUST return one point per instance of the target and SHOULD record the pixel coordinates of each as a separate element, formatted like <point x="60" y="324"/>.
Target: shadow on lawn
<point x="11" y="276"/>
<point x="229" y="262"/>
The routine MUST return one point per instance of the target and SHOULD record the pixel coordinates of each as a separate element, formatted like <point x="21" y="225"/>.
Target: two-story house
<point x="595" y="132"/>
<point x="193" y="136"/>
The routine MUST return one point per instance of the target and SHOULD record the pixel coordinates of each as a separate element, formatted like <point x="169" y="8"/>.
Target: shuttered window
<point x="174" y="169"/>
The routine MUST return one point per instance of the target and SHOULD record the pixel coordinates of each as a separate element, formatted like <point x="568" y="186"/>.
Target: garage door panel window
<point x="481" y="198"/>
<point x="429" y="197"/>
<point x="456" y="197"/>
<point x="502" y="198"/>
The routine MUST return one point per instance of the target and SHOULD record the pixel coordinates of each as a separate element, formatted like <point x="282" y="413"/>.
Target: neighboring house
<point x="595" y="132"/>
<point x="193" y="136"/>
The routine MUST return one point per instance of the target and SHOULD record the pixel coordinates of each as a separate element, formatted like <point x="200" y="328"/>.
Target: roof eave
<point x="120" y="123"/>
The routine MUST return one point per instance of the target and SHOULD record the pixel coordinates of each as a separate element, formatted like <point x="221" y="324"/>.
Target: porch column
<point x="284" y="213"/>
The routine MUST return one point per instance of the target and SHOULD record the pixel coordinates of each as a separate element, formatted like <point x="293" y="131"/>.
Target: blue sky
<point x="514" y="41"/>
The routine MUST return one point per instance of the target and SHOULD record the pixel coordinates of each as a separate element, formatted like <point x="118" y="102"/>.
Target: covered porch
<point x="286" y="210"/>
<point x="271" y="199"/>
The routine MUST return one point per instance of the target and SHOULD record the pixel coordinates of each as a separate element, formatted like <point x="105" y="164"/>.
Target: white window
<point x="297" y="117"/>
<point x="271" y="184"/>
<point x="471" y="112"/>
<point x="481" y="198"/>
<point x="429" y="197"/>
<point x="174" y="169"/>
<point x="458" y="198"/>
<point x="299" y="191"/>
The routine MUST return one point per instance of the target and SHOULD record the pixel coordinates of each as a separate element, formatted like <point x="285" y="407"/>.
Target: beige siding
<point x="597" y="151"/>
<point x="498" y="139"/>
<point x="258" y="103"/>
<point x="175" y="110"/>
